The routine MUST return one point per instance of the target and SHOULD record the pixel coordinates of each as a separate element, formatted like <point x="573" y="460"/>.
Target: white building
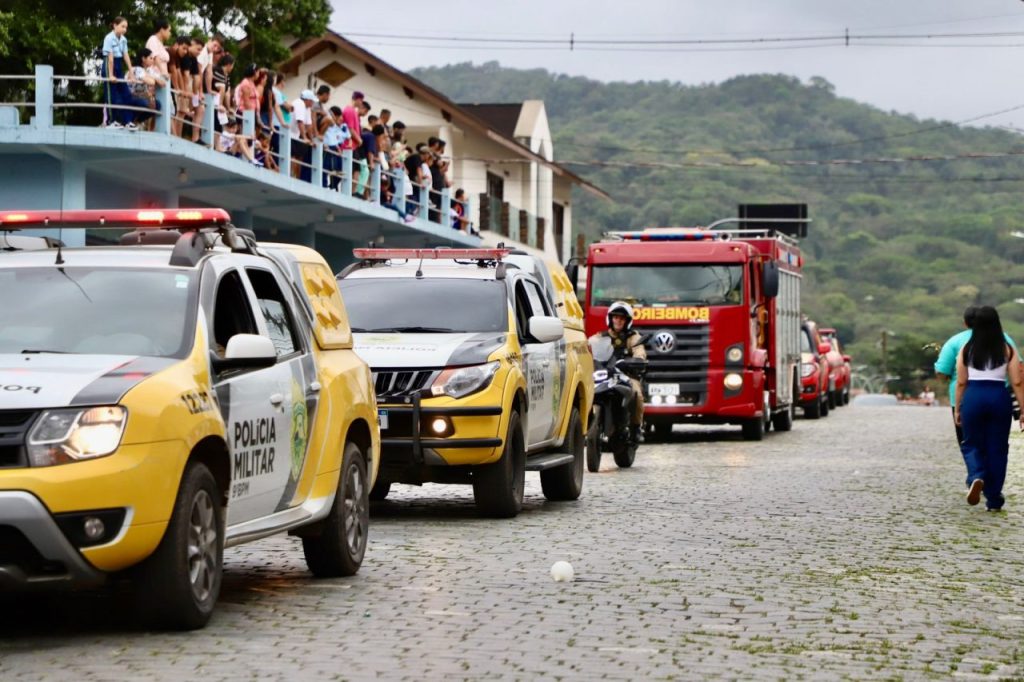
<point x="502" y="154"/>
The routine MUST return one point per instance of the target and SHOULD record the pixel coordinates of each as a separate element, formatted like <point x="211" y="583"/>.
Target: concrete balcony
<point x="47" y="165"/>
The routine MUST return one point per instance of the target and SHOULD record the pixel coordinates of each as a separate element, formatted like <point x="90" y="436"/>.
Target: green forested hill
<point x="902" y="247"/>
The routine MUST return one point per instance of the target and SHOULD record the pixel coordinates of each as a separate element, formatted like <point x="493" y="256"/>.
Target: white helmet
<point x="620" y="308"/>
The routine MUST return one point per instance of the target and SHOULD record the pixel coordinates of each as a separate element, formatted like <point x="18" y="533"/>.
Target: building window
<point x="495" y="186"/>
<point x="558" y="227"/>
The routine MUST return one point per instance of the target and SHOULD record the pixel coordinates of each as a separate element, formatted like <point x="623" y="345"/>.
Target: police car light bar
<point x="431" y="254"/>
<point x="115" y="219"/>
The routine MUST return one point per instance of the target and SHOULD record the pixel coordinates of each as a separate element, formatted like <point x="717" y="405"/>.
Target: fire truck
<point x="720" y="310"/>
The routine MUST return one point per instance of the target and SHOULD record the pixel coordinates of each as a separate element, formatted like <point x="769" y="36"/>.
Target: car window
<point x="538" y="302"/>
<point x="379" y="304"/>
<point x="123" y="311"/>
<point x="231" y="311"/>
<point x="276" y="312"/>
<point x="805" y="342"/>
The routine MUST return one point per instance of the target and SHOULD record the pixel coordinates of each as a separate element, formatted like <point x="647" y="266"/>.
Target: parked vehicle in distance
<point x="875" y="400"/>
<point x="839" y="368"/>
<point x="814" y="372"/>
<point x="478" y="378"/>
<point x="185" y="391"/>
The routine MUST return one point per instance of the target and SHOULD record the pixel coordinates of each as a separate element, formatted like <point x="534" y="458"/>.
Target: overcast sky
<point x="936" y="79"/>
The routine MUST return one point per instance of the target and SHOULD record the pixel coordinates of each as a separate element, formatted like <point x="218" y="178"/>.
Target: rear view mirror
<point x="546" y="329"/>
<point x="770" y="279"/>
<point x="824" y="349"/>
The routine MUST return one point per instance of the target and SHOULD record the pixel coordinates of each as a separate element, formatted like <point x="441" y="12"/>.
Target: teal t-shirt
<point x="946" y="362"/>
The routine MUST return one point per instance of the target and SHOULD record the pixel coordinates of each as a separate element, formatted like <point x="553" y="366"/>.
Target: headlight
<point x="807" y="369"/>
<point x="600" y="375"/>
<point x="62" y="436"/>
<point x="733" y="381"/>
<point x="734" y="354"/>
<point x="460" y="382"/>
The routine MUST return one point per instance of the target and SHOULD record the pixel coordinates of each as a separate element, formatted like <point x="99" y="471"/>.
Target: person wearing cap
<point x="302" y="134"/>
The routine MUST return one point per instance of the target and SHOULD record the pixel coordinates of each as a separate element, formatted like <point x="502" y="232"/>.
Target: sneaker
<point x="115" y="126"/>
<point x="409" y="218"/>
<point x="974" y="492"/>
<point x="257" y="163"/>
<point x="994" y="509"/>
<point x="132" y="127"/>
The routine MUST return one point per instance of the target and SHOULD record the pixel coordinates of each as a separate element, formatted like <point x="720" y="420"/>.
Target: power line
<point x="573" y="41"/>
<point x="814" y="147"/>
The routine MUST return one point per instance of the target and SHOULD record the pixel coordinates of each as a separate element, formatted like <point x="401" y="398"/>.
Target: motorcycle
<point x="609" y="429"/>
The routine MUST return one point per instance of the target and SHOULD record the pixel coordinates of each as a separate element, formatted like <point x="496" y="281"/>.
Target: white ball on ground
<point x="562" y="572"/>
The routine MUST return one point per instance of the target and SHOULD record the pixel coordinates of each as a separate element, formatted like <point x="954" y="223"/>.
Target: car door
<point x="286" y="325"/>
<point x="539" y="365"/>
<point x="254" y="404"/>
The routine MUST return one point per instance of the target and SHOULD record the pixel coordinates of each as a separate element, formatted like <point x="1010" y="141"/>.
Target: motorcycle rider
<point x="627" y="343"/>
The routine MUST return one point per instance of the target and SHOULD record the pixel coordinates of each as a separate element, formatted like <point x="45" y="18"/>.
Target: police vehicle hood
<point x="382" y="351"/>
<point x="38" y="380"/>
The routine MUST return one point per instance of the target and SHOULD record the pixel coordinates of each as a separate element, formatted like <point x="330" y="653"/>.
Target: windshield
<point x="425" y="305"/>
<point x="601" y="348"/>
<point x="653" y="285"/>
<point x="115" y="311"/>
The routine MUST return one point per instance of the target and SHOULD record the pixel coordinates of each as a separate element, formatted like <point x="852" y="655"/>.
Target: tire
<point x="498" y="488"/>
<point x="831" y="400"/>
<point x="826" y="406"/>
<point x="753" y="429"/>
<point x="178" y="585"/>
<point x="594" y="443"/>
<point x="783" y="421"/>
<point x="624" y="455"/>
<point x="339" y="547"/>
<point x="812" y="410"/>
<point x="846" y="395"/>
<point x="379" y="491"/>
<point x="565" y="483"/>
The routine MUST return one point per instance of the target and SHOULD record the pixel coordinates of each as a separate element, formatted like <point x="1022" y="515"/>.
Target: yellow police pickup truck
<point x="186" y="390"/>
<point x="476" y="381"/>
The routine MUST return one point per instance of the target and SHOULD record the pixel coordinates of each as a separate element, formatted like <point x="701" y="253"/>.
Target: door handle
<point x="314" y="387"/>
<point x="276" y="399"/>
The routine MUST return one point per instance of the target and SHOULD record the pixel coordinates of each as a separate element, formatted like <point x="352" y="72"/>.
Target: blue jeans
<point x="985" y="415"/>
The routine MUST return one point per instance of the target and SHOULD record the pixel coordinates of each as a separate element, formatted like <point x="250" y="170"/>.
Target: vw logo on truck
<point x="664" y="342"/>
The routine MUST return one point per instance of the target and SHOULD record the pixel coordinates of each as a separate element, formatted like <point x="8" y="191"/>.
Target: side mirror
<point x="546" y="329"/>
<point x="247" y="351"/>
<point x="847" y="358"/>
<point x="770" y="279"/>
<point x="572" y="271"/>
<point x="824" y="349"/>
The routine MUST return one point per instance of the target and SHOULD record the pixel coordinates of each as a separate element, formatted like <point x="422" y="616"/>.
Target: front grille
<point x="17" y="550"/>
<point x="685" y="364"/>
<point x="398" y="385"/>
<point x="14" y="426"/>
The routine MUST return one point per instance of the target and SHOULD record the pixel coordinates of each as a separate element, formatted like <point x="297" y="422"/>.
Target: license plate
<point x="382" y="419"/>
<point x="662" y="389"/>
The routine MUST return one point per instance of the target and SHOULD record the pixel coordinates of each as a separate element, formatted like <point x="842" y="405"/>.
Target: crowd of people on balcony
<point x="194" y="69"/>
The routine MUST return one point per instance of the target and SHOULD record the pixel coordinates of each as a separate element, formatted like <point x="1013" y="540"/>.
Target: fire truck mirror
<point x="572" y="271"/>
<point x="770" y="279"/>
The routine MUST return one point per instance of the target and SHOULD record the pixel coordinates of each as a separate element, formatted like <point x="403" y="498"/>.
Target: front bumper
<point x="474" y="429"/>
<point x="34" y="551"/>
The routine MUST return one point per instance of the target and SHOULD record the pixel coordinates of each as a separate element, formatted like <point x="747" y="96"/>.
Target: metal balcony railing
<point x="329" y="167"/>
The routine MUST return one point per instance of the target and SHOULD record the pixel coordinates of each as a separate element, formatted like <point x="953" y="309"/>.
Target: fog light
<point x="734" y="354"/>
<point x="655" y="400"/>
<point x="93" y="528"/>
<point x="670" y="400"/>
<point x="733" y="381"/>
<point x="440" y="426"/>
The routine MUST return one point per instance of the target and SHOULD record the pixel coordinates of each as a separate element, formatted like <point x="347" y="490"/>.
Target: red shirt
<point x="351" y="119"/>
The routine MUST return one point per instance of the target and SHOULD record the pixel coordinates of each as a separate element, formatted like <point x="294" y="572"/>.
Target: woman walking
<point x="983" y="407"/>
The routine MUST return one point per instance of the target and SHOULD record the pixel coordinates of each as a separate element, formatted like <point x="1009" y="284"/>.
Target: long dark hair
<point x="987" y="347"/>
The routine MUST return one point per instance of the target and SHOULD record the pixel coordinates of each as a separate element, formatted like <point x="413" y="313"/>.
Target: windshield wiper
<point x="28" y="351"/>
<point x="413" y="330"/>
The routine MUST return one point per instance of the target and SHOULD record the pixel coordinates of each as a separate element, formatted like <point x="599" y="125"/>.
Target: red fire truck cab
<point x="720" y="310"/>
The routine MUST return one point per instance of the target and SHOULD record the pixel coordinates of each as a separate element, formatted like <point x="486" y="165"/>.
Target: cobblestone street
<point x="841" y="550"/>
